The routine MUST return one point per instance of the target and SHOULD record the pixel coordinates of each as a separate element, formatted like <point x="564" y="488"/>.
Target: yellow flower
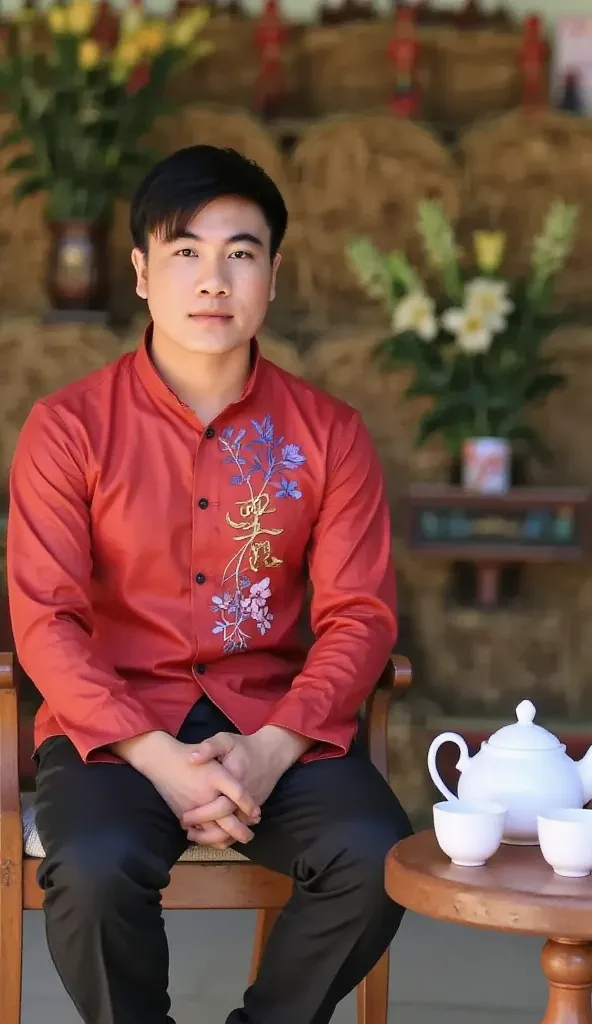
<point x="127" y="54"/>
<point x="56" y="18"/>
<point x="89" y="54"/>
<point x="183" y="31"/>
<point x="80" y="17"/>
<point x="152" y="38"/>
<point x="489" y="249"/>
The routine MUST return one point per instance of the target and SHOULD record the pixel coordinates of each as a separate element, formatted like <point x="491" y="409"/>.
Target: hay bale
<point x="23" y="239"/>
<point x="473" y="73"/>
<point x="229" y="74"/>
<point x="361" y="175"/>
<point x="346" y="68"/>
<point x="513" y="168"/>
<point x="220" y="126"/>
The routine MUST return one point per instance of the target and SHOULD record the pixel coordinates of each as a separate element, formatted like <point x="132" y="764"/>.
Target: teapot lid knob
<point x="525" y="712"/>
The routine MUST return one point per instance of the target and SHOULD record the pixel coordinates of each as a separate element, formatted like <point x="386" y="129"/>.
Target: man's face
<point x="208" y="291"/>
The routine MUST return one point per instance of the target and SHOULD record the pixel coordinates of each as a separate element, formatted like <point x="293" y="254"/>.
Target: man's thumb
<point x="209" y="750"/>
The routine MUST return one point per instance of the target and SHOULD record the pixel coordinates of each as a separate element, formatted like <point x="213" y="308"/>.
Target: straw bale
<point x="23" y="239"/>
<point x="220" y="126"/>
<point x="473" y="73"/>
<point x="346" y="68"/>
<point x="229" y="74"/>
<point x="361" y="175"/>
<point x="512" y="169"/>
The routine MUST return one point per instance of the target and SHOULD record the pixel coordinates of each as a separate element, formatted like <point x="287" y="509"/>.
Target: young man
<point x="166" y="516"/>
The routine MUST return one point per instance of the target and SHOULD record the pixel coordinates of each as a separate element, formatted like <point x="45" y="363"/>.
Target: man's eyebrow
<point x="241" y="236"/>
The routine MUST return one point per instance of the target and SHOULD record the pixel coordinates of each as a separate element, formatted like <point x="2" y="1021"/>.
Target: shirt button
<point x="210" y="432"/>
<point x="201" y="669"/>
<point x="200" y="578"/>
<point x="203" y="503"/>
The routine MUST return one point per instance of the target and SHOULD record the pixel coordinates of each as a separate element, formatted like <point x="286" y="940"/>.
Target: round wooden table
<point x="516" y="891"/>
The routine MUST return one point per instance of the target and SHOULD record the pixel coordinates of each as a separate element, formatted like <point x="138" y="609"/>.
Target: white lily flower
<point x="473" y="332"/>
<point x="417" y="313"/>
<point x="490" y="299"/>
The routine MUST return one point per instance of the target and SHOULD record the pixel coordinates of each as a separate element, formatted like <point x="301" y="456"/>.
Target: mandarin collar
<point x="161" y="392"/>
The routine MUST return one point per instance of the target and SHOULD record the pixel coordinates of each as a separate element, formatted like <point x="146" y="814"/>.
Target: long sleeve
<point x="353" y="609"/>
<point x="49" y="564"/>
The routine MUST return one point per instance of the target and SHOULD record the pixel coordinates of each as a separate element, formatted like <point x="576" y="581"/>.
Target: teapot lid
<point x="524" y="734"/>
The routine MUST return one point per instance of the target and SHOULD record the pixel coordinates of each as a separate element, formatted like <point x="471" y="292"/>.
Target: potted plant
<point x="84" y="85"/>
<point x="475" y="349"/>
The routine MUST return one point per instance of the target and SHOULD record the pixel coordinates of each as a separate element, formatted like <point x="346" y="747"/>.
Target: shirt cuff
<point x="117" y="720"/>
<point x="329" y="740"/>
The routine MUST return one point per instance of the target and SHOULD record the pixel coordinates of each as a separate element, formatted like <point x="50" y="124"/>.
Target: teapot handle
<point x="446" y="737"/>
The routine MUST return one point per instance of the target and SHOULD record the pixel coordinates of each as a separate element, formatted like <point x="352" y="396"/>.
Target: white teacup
<point x="470" y="833"/>
<point x="565" y="838"/>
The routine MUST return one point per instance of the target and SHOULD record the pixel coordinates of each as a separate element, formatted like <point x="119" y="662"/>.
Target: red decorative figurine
<point x="270" y="36"/>
<point x="533" y="64"/>
<point x="403" y="52"/>
<point x="106" y="26"/>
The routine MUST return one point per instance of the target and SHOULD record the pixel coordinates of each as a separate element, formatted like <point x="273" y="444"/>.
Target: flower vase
<point x="77" y="271"/>
<point x="486" y="466"/>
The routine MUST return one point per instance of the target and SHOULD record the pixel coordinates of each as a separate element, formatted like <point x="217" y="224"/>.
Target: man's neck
<point x="205" y="383"/>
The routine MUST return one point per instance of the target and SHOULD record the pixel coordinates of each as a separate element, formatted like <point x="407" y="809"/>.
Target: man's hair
<point x="177" y="187"/>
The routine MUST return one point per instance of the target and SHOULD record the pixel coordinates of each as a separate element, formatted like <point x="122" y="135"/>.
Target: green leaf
<point x="445" y="414"/>
<point x="543" y="385"/>
<point x="402" y="272"/>
<point x="12" y="137"/>
<point x="24" y="162"/>
<point x="28" y="187"/>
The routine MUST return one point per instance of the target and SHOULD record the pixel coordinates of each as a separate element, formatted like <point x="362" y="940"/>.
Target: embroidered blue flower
<point x="265" y="431"/>
<point x="288" y="489"/>
<point x="292" y="457"/>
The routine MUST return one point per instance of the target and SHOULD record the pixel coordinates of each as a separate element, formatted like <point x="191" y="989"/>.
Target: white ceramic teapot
<point x="523" y="767"/>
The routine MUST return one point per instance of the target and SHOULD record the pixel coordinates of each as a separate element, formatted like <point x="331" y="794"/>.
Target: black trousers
<point x="111" y="840"/>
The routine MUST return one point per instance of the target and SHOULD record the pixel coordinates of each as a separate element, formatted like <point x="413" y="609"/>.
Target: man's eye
<point x="186" y="252"/>
<point x="241" y="254"/>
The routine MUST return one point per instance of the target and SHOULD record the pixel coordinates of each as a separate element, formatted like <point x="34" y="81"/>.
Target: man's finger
<point x="218" y="808"/>
<point x="213" y="835"/>
<point x="237" y="830"/>
<point x="217" y="746"/>
<point x="233" y="789"/>
<point x="240" y="832"/>
<point x="215" y="810"/>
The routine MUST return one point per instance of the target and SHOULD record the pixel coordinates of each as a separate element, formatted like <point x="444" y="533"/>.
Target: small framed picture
<point x="572" y="64"/>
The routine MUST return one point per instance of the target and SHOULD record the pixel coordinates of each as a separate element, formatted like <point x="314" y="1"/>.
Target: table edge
<point x="463" y="903"/>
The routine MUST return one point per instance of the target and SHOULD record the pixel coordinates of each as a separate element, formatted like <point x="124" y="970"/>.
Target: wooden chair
<point x="203" y="879"/>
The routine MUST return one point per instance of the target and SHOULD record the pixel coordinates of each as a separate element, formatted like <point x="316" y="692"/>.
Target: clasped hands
<point x="233" y="775"/>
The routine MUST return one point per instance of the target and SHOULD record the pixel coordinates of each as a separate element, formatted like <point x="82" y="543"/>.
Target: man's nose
<point x="213" y="281"/>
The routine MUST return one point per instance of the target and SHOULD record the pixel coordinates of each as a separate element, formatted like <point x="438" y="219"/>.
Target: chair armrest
<point x="394" y="681"/>
<point x="11" y="835"/>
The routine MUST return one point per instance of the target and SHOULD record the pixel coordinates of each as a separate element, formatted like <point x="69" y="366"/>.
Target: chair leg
<point x="265" y="922"/>
<point x="373" y="994"/>
<point x="11" y="942"/>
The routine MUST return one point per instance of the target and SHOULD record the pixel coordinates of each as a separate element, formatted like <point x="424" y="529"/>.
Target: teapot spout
<point x="585" y="772"/>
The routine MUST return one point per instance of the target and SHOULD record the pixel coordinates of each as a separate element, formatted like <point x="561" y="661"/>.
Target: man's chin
<point x="210" y="341"/>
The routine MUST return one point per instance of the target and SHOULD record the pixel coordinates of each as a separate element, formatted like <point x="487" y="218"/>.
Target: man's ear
<point x="140" y="262"/>
<point x="277" y="259"/>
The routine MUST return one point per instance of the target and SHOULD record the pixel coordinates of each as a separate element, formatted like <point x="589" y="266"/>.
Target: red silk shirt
<point x="152" y="560"/>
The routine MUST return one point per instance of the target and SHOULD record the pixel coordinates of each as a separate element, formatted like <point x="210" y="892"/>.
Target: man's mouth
<point x="211" y="315"/>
